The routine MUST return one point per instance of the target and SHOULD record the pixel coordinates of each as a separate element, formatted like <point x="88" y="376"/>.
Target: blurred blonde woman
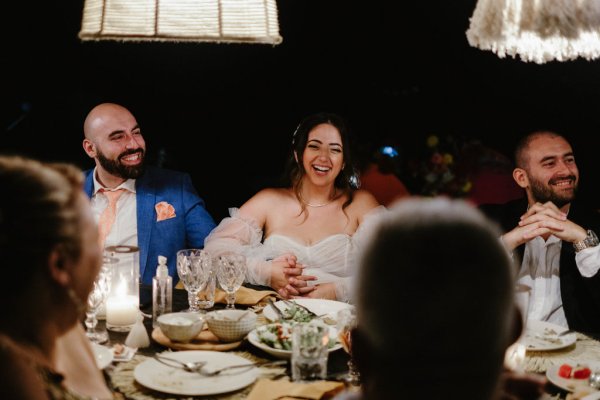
<point x="50" y="255"/>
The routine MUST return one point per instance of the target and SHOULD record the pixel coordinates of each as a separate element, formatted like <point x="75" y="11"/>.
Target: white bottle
<point x="162" y="291"/>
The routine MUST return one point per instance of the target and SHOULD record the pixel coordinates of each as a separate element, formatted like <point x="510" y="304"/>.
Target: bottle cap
<point x="162" y="271"/>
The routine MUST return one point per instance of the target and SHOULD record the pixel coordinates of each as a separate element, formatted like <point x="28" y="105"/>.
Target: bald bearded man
<point x="157" y="210"/>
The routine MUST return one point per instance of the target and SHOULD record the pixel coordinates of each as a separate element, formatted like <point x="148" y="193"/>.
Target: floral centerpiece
<point x="436" y="170"/>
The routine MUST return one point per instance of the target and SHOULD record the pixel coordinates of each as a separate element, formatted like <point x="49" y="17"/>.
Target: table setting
<point x="144" y="377"/>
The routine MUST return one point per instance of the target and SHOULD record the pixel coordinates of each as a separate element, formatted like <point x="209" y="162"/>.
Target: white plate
<point x="572" y="384"/>
<point x="287" y="354"/>
<point x="593" y="396"/>
<point x="104" y="355"/>
<point x="160" y="377"/>
<point x="542" y="336"/>
<point x="318" y="306"/>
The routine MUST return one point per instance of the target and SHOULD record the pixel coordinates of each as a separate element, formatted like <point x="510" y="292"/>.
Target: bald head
<point x="101" y="114"/>
<point x="114" y="140"/>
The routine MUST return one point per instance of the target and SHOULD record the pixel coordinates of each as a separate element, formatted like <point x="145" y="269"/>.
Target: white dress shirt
<point x="540" y="271"/>
<point x="124" y="229"/>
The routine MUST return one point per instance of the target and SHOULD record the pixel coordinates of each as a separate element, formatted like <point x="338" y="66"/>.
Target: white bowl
<point x="181" y="326"/>
<point x="253" y="338"/>
<point x="230" y="325"/>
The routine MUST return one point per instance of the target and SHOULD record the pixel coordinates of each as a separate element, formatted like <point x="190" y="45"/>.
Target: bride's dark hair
<point x="295" y="169"/>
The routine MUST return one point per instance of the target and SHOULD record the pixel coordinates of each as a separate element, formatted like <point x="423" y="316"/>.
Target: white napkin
<point x="138" y="336"/>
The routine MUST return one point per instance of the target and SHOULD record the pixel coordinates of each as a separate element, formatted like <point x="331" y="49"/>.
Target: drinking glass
<point x="194" y="268"/>
<point x="206" y="296"/>
<point x="347" y="322"/>
<point x="95" y="300"/>
<point x="231" y="272"/>
<point x="309" y="351"/>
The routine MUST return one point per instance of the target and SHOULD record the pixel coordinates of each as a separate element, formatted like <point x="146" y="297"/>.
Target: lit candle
<point x="122" y="310"/>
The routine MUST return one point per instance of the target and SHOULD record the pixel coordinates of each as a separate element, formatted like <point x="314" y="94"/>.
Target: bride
<point x="311" y="229"/>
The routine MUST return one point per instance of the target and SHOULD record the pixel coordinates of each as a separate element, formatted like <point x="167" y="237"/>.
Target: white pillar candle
<point x="122" y="310"/>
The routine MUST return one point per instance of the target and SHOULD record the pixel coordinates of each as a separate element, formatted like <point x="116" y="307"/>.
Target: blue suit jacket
<point x="187" y="229"/>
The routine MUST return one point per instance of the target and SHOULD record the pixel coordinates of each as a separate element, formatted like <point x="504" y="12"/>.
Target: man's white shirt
<point x="124" y="229"/>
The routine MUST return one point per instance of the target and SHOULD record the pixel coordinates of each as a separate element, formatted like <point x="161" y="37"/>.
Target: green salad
<point x="278" y="335"/>
<point x="296" y="313"/>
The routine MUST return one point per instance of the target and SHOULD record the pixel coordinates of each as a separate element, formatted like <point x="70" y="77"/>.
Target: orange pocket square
<point x="164" y="211"/>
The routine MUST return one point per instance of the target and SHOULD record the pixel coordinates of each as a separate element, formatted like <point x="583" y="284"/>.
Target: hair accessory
<point x="295" y="133"/>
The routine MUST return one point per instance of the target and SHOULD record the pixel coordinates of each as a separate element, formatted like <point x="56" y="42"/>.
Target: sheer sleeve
<point x="345" y="287"/>
<point x="242" y="236"/>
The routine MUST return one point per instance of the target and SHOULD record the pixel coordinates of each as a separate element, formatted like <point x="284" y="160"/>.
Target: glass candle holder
<point x="123" y="300"/>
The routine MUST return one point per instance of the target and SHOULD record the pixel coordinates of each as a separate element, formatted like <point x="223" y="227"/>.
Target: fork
<point x="256" y="364"/>
<point x="186" y="366"/>
<point x="290" y="303"/>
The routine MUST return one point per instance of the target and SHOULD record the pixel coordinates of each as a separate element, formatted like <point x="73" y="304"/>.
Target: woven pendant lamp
<point x="537" y="30"/>
<point x="234" y="21"/>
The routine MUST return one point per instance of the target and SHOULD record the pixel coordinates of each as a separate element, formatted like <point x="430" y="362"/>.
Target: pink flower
<point x="164" y="211"/>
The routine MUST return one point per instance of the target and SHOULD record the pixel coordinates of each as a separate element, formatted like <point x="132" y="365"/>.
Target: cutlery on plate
<point x="324" y="317"/>
<point x="186" y="366"/>
<point x="290" y="303"/>
<point x="256" y="364"/>
<point x="568" y="331"/>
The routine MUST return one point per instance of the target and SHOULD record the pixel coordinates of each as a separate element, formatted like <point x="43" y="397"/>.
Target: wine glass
<point x="346" y="322"/>
<point x="231" y="272"/>
<point x="193" y="268"/>
<point x="95" y="299"/>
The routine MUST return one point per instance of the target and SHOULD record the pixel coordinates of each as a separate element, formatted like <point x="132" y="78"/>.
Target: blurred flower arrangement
<point x="436" y="170"/>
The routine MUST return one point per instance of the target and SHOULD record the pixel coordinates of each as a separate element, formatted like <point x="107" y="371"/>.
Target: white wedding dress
<point x="332" y="259"/>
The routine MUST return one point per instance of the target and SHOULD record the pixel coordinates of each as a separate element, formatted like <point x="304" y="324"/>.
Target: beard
<point x="116" y="168"/>
<point x="544" y="193"/>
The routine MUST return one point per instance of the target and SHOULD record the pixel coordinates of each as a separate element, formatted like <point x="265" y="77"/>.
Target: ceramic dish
<point x="286" y="354"/>
<point x="543" y="336"/>
<point x="157" y="376"/>
<point x="318" y="306"/>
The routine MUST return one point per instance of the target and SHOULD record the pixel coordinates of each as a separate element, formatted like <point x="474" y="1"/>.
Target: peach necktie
<point x="107" y="218"/>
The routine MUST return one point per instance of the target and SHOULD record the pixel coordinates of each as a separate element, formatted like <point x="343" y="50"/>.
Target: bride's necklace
<point x="318" y="205"/>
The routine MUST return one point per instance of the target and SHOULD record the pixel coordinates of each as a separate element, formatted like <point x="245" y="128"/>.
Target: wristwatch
<point x="591" y="240"/>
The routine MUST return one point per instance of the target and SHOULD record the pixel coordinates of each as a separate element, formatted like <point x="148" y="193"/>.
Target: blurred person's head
<point x="434" y="301"/>
<point x="546" y="168"/>
<point x="114" y="140"/>
<point x="48" y="247"/>
<point x="321" y="154"/>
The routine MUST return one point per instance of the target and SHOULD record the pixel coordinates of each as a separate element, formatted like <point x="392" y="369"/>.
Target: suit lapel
<point x="145" y="198"/>
<point x="89" y="183"/>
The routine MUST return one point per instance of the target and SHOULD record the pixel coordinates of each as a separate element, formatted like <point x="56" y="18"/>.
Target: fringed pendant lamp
<point x="537" y="30"/>
<point x="235" y="21"/>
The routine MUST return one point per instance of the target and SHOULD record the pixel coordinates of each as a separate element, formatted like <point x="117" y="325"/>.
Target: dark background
<point x="398" y="72"/>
